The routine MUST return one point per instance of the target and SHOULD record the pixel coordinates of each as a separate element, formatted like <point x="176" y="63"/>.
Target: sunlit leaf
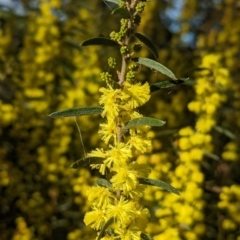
<point x="103" y="183"/>
<point x="147" y="42"/>
<point x="79" y="111"/>
<point x="145" y="121"/>
<point x="158" y="183"/>
<point x="100" y="41"/>
<point x="122" y="11"/>
<point x="84" y="162"/>
<point x="156" y="66"/>
<point x="225" y="132"/>
<point x="166" y="84"/>
<point x="107" y="224"/>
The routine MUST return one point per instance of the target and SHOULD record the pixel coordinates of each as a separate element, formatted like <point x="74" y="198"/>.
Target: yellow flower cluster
<point x="230" y="204"/>
<point x="42" y="87"/>
<point x="182" y="217"/>
<point x="22" y="232"/>
<point x="230" y="152"/>
<point x="120" y="201"/>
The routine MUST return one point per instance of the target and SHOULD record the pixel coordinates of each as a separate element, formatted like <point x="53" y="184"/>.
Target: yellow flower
<point x="230" y="156"/>
<point x="125" y="179"/>
<point x="195" y="106"/>
<point x="108" y="131"/>
<point x="205" y="124"/>
<point x="109" y="99"/>
<point x="119" y="155"/>
<point x="102" y="167"/>
<point x="97" y="153"/>
<point x="210" y="60"/>
<point x="140" y="143"/>
<point x="122" y="212"/>
<point x="187" y="131"/>
<point x="100" y="197"/>
<point x="141" y="170"/>
<point x="138" y="94"/>
<point x="141" y="217"/>
<point x="196" y="154"/>
<point x="184" y="143"/>
<point x="129" y="234"/>
<point x="95" y="218"/>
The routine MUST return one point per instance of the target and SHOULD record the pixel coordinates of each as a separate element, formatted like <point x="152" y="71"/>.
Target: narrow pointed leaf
<point x="107" y="224"/>
<point x="225" y="132"/>
<point x="100" y="41"/>
<point x="73" y="44"/>
<point x="145" y="121"/>
<point x="79" y="111"/>
<point x="122" y="11"/>
<point x="113" y="1"/>
<point x="148" y="43"/>
<point x="166" y="84"/>
<point x="144" y="236"/>
<point x="103" y="183"/>
<point x="158" y="183"/>
<point x="84" y="162"/>
<point x="156" y="66"/>
<point x="212" y="156"/>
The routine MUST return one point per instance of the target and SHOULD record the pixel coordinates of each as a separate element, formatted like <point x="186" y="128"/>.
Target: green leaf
<point x="156" y="66"/>
<point x="114" y="1"/>
<point x="107" y="224"/>
<point x="158" y="183"/>
<point x="122" y="11"/>
<point x="100" y="41"/>
<point x="79" y="111"/>
<point x="166" y="84"/>
<point x="145" y="121"/>
<point x="144" y="236"/>
<point x="86" y="162"/>
<point x="147" y="42"/>
<point x="225" y="132"/>
<point x="73" y="44"/>
<point x="212" y="156"/>
<point x="103" y="183"/>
